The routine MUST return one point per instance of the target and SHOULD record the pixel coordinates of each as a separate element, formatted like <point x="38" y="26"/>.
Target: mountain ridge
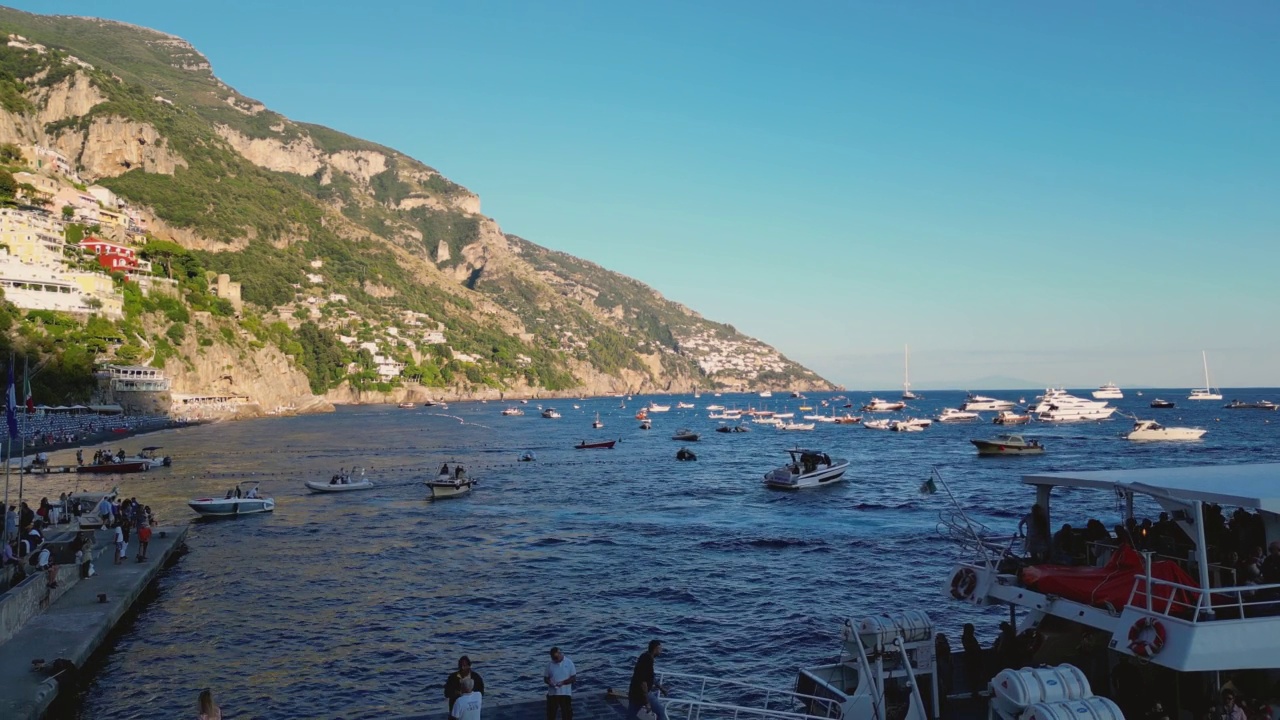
<point x="350" y="235"/>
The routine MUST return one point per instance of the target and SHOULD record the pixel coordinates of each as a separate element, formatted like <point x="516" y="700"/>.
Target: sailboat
<point x="1208" y="392"/>
<point x="597" y="424"/>
<point x="906" y="376"/>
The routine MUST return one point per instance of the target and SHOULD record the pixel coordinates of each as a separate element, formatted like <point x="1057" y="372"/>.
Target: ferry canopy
<point x="1255" y="486"/>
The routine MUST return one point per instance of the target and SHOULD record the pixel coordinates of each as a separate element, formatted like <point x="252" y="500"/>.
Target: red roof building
<point x="111" y="256"/>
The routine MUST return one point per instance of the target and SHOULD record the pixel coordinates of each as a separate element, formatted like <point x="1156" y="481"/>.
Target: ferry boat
<point x="808" y="468"/>
<point x="1102" y="639"/>
<point x="1110" y="391"/>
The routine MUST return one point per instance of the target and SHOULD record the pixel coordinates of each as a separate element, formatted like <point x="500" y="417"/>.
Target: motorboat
<point x="646" y="424"/>
<point x="906" y="426"/>
<point x="245" y="498"/>
<point x="655" y="407"/>
<point x="1008" y="445"/>
<point x="597" y="424"/>
<point x="596" y="445"/>
<point x="527" y="456"/>
<point x="1162" y="404"/>
<point x="1152" y="430"/>
<point x="551" y="413"/>
<point x="980" y="403"/>
<point x="449" y="483"/>
<point x="512" y="411"/>
<point x="1208" y="392"/>
<point x="766" y="393"/>
<point x="808" y="468"/>
<point x="342" y="482"/>
<point x="151" y="458"/>
<point x="878" y="405"/>
<point x="1009" y="417"/>
<point x="112" y="466"/>
<point x="1058" y="405"/>
<point x="805" y="408"/>
<point x="685" y="454"/>
<point x="714" y="407"/>
<point x="1259" y="405"/>
<point x="1110" y="391"/>
<point x="796" y="426"/>
<point x="684" y="406"/>
<point x="84" y="507"/>
<point x="686" y="435"/>
<point x="884" y="424"/>
<point x="767" y="421"/>
<point x="954" y="415"/>
<point x="406" y="406"/>
<point x="733" y="429"/>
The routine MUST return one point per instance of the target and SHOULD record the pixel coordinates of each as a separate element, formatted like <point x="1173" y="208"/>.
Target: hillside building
<point x="229" y="291"/>
<point x="136" y="388"/>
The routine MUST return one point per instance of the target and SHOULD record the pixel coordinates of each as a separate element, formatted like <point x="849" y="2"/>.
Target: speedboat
<point x="797" y="426"/>
<point x="342" y="482"/>
<point x="1008" y="445"/>
<point x="954" y="415"/>
<point x="1152" y="430"/>
<point x="906" y="426"/>
<point x="1110" y="391"/>
<point x="149" y="456"/>
<point x="646" y="424"/>
<point x="108" y="467"/>
<point x="245" y="498"/>
<point x="513" y="411"/>
<point x="686" y="435"/>
<point x="684" y="405"/>
<point x="766" y="393"/>
<point x="550" y="413"/>
<point x="878" y="405"/>
<point x="1162" y="404"/>
<point x="450" y="483"/>
<point x="598" y="445"/>
<point x="714" y="407"/>
<point x="878" y="424"/>
<point x="978" y="403"/>
<point x="655" y="407"/>
<point x="808" y="468"/>
<point x="847" y="419"/>
<point x="1260" y="405"/>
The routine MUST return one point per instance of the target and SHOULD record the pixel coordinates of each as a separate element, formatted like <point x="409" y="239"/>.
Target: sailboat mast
<point x="1205" y="358"/>
<point x="906" y="369"/>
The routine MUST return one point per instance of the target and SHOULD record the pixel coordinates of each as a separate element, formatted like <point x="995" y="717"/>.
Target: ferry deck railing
<point x="684" y="709"/>
<point x="1246" y="600"/>
<point x="763" y="696"/>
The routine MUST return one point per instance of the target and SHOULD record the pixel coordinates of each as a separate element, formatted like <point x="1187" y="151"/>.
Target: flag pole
<point x="22" y="475"/>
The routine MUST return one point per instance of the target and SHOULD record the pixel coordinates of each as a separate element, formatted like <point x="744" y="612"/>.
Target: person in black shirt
<point x="453" y="686"/>
<point x="644" y="689"/>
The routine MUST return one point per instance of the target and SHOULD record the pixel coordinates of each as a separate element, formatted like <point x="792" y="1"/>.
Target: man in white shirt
<point x="467" y="706"/>
<point x="560" y="676"/>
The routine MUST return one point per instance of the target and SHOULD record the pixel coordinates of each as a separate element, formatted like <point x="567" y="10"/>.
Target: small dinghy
<point x="342" y="482"/>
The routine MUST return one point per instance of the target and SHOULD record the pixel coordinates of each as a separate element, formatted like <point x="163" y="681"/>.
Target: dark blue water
<point x="358" y="605"/>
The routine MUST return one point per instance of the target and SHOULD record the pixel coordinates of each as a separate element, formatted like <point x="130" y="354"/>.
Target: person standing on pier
<point x="121" y="545"/>
<point x="467" y="706"/>
<point x="453" y="685"/>
<point x="645" y="689"/>
<point x="560" y="676"/>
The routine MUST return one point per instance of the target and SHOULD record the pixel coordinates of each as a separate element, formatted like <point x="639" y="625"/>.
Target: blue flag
<point x="11" y="406"/>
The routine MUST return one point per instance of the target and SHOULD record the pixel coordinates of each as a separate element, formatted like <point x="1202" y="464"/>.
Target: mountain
<point x="353" y="260"/>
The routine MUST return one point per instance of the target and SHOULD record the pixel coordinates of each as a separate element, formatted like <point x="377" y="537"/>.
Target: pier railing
<point x="714" y="697"/>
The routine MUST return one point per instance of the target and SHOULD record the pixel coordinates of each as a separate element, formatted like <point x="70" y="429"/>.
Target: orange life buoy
<point x="964" y="583"/>
<point x="1146" y="645"/>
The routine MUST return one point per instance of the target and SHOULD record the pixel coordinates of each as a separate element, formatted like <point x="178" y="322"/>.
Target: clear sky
<point x="1057" y="192"/>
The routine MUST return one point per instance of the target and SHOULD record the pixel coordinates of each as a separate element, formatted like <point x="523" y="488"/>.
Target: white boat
<point x="1009" y="417"/>
<point x="954" y="415"/>
<point x="597" y="424"/>
<point x="655" y="407"/>
<point x="1152" y="430"/>
<point x="684" y="405"/>
<point x="714" y="407"/>
<point x="246" y="498"/>
<point x="1110" y="391"/>
<point x="906" y="375"/>
<point x="551" y="414"/>
<point x="766" y="393"/>
<point x="450" y="483"/>
<point x="1008" y="445"/>
<point x="906" y="426"/>
<point x="980" y="403"/>
<point x="1208" y="392"/>
<point x="148" y="455"/>
<point x="796" y="426"/>
<point x="1058" y="405"/>
<point x="767" y="421"/>
<point x="342" y="482"/>
<point x="808" y="468"/>
<point x="884" y="424"/>
<point x="878" y="405"/>
<point x="513" y="411"/>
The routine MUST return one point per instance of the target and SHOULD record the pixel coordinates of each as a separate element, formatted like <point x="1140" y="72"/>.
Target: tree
<point x="8" y="186"/>
<point x="163" y="252"/>
<point x="68" y="212"/>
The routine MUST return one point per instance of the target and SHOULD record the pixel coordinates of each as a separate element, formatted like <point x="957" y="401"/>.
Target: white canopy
<point x="1255" y="486"/>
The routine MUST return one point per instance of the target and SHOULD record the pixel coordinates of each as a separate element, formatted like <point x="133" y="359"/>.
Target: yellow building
<point x="32" y="237"/>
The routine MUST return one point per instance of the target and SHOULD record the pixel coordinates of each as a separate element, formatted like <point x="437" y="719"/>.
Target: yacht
<point x="954" y="415"/>
<point x="1058" y="405"/>
<point x="1110" y="391"/>
<point x="1162" y="404"/>
<point x="878" y="405"/>
<point x="1152" y="430"/>
<point x="808" y="468"/>
<point x="1260" y="405"/>
<point x="978" y="403"/>
<point x="1208" y="392"/>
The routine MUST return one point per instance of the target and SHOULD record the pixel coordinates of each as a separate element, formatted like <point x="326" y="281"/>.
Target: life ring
<point x="1140" y="644"/>
<point x="963" y="583"/>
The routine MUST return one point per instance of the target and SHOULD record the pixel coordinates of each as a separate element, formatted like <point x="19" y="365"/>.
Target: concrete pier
<point x="71" y="621"/>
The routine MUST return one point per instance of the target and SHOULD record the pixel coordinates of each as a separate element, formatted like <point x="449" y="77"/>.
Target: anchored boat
<point x="808" y="468"/>
<point x="1008" y="445"/>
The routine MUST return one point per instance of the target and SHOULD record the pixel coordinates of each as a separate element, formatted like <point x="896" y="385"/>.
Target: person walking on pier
<point x="467" y="706"/>
<point x="453" y="685"/>
<point x="644" y="690"/>
<point x="560" y="676"/>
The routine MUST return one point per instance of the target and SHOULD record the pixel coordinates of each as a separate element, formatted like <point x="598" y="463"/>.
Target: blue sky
<point x="1065" y="193"/>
